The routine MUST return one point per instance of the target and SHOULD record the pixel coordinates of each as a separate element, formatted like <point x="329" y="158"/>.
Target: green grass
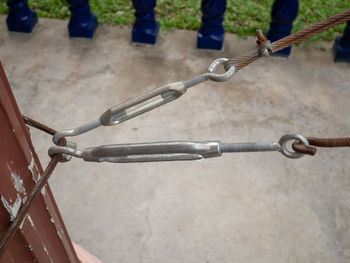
<point x="242" y="17"/>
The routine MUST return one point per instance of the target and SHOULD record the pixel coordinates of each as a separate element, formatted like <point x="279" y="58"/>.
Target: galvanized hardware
<point x="140" y="104"/>
<point x="175" y="150"/>
<point x="162" y="151"/>
<point x="161" y="96"/>
<point x="147" y="101"/>
<point x="77" y="131"/>
<point x="143" y="152"/>
<point x="292" y="137"/>
<point x="125" y="111"/>
<point x="152" y="152"/>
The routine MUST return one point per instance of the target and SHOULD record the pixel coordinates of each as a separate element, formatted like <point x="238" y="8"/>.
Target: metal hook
<point x="74" y="132"/>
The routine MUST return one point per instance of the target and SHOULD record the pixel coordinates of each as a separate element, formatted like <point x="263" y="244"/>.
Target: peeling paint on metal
<point x="21" y="226"/>
<point x="59" y="234"/>
<point x="43" y="191"/>
<point x="31" y="221"/>
<point x="52" y="221"/>
<point x="45" y="249"/>
<point x="31" y="167"/>
<point x="9" y="167"/>
<point x="47" y="252"/>
<point x="18" y="183"/>
<point x="13" y="210"/>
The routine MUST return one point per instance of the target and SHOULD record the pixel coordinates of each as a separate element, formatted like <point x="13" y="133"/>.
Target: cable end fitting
<point x="263" y="44"/>
<point x="304" y="149"/>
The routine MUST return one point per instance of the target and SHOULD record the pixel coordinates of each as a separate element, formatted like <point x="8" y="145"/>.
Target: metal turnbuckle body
<point x="176" y="150"/>
<point x="151" y="152"/>
<point x="144" y="103"/>
<point x="141" y="104"/>
<point x="143" y="152"/>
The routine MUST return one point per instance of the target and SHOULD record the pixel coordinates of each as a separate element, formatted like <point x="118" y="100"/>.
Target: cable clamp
<point x="263" y="44"/>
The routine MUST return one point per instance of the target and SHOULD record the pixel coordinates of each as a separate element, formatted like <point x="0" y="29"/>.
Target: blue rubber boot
<point x="145" y="28"/>
<point x="20" y="18"/>
<point x="283" y="15"/>
<point x="341" y="46"/>
<point x="211" y="32"/>
<point x="82" y="23"/>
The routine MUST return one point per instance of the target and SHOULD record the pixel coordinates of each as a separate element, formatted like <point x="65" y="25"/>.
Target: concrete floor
<point x="252" y="207"/>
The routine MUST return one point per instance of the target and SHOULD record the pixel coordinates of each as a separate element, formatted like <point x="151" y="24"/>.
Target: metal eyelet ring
<point x="289" y="137"/>
<point x="220" y="77"/>
<point x="213" y="65"/>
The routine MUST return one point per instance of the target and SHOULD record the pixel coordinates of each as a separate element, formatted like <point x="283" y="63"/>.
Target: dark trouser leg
<point x="20" y="18"/>
<point x="342" y="46"/>
<point x="211" y="32"/>
<point x="283" y="15"/>
<point x="82" y="23"/>
<point x="146" y="27"/>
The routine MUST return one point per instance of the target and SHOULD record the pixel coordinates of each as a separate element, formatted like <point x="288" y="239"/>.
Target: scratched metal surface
<point x="42" y="237"/>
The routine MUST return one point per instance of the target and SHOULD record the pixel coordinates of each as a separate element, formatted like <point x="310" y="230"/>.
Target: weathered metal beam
<point x="42" y="237"/>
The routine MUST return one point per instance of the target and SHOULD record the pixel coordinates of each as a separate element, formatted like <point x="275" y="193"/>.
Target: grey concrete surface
<point x="252" y="207"/>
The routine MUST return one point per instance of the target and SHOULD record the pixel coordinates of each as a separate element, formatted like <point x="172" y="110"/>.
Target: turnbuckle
<point x="148" y="101"/>
<point x="162" y="151"/>
<point x="176" y="150"/>
<point x="144" y="152"/>
<point x="137" y="106"/>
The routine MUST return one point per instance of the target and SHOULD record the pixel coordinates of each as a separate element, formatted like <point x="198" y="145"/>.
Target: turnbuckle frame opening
<point x="141" y="104"/>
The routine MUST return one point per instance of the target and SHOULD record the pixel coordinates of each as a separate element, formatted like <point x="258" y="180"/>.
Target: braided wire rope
<point x="287" y="41"/>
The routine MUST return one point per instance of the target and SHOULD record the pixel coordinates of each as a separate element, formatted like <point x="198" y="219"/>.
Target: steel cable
<point x="299" y="36"/>
<point x="320" y="142"/>
<point x="22" y="213"/>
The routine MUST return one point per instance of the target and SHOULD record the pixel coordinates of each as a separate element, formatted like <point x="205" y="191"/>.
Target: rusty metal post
<point x="43" y="236"/>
